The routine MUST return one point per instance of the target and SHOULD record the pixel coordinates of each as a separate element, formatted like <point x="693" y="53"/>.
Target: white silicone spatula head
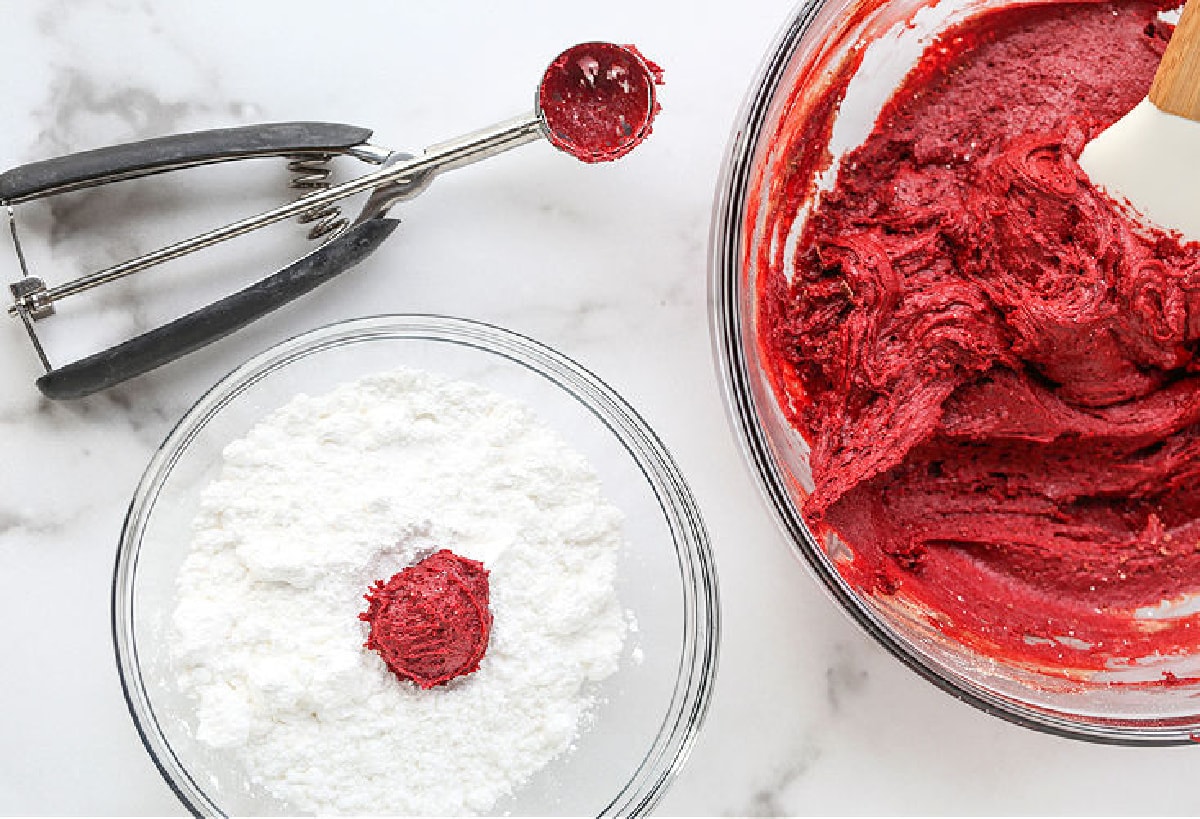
<point x="1151" y="156"/>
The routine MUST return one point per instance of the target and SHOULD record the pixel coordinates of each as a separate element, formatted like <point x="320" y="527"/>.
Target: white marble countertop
<point x="607" y="264"/>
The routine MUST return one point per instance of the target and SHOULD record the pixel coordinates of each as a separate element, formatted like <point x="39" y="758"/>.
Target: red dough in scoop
<point x="430" y="622"/>
<point x="597" y="100"/>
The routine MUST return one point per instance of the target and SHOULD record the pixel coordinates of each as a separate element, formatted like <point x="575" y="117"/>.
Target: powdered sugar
<point x="330" y="493"/>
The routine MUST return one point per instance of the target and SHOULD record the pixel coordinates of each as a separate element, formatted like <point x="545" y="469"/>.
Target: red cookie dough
<point x="430" y="622"/>
<point x="995" y="365"/>
<point x="597" y="100"/>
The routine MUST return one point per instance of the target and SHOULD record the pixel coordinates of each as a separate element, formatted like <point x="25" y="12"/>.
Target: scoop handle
<point x="1176" y="86"/>
<point x="168" y="153"/>
<point x="188" y="333"/>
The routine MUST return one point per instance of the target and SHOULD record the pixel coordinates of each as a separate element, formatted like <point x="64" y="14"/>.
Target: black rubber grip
<point x="134" y="159"/>
<point x="188" y="333"/>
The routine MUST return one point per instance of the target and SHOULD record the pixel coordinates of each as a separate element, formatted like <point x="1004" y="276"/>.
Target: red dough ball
<point x="430" y="622"/>
<point x="597" y="100"/>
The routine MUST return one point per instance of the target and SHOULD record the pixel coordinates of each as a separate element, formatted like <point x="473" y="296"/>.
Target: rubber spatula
<point x="1151" y="156"/>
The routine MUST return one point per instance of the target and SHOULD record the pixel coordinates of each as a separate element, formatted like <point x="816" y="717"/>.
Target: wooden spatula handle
<point x="1176" y="86"/>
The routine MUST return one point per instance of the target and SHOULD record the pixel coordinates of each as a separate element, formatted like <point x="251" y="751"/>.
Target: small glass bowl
<point x="822" y="37"/>
<point x="649" y="711"/>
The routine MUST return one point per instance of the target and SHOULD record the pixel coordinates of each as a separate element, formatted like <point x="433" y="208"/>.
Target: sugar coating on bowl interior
<point x="331" y="495"/>
<point x="993" y="362"/>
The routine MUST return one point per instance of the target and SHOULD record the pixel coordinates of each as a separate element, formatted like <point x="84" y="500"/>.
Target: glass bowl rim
<point x="727" y="336"/>
<point x="695" y="678"/>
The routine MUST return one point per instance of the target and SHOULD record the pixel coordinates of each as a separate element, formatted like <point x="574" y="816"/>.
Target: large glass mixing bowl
<point x="822" y="38"/>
